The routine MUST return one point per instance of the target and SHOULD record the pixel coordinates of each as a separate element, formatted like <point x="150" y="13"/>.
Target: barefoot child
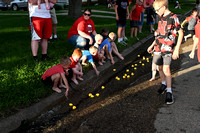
<point x="56" y="75"/>
<point x="76" y="66"/>
<point x="99" y="57"/>
<point x="108" y="46"/>
<point x="192" y="20"/>
<point x="87" y="55"/>
<point x="168" y="27"/>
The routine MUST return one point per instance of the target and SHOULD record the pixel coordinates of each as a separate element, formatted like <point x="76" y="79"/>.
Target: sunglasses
<point x="87" y="14"/>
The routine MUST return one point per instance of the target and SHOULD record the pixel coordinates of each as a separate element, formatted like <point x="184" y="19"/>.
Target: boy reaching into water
<point x="99" y="57"/>
<point x="87" y="55"/>
<point x="168" y="27"/>
<point x="56" y="75"/>
<point x="76" y="66"/>
<point x="108" y="46"/>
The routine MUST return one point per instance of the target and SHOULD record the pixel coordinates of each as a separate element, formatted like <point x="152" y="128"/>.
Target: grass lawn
<point x="20" y="83"/>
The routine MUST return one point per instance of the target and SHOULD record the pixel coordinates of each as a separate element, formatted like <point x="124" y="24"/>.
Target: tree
<point x="75" y="8"/>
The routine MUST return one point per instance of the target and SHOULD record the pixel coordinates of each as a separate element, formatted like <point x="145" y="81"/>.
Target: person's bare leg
<point x="154" y="68"/>
<point x="161" y="73"/>
<point x="61" y="85"/>
<point x="84" y="60"/>
<point x="79" y="68"/>
<point x="135" y="31"/>
<point x="56" y="79"/>
<point x="116" y="52"/>
<point x="123" y="32"/>
<point x="153" y="76"/>
<point x="74" y="78"/>
<point x="166" y="70"/>
<point x="34" y="47"/>
<point x="119" y="33"/>
<point x="132" y="30"/>
<point x="44" y="45"/>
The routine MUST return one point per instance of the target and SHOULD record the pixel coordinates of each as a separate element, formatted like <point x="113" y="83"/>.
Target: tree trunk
<point x="75" y="8"/>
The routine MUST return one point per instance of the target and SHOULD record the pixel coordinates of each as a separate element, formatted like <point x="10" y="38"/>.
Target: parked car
<point x="19" y="4"/>
<point x="3" y="5"/>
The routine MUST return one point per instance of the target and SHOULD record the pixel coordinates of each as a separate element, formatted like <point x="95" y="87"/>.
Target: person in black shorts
<point x="122" y="13"/>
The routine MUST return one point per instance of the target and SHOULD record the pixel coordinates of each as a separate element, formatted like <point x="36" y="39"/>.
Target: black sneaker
<point x="162" y="89"/>
<point x="169" y="98"/>
<point x="35" y="58"/>
<point x="46" y="58"/>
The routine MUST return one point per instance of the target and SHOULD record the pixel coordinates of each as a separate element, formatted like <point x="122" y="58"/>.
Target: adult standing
<point x="82" y="32"/>
<point x="41" y="27"/>
<point x="122" y="13"/>
<point x="54" y="23"/>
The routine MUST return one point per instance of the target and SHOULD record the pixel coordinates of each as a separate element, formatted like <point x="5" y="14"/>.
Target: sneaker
<point x="162" y="89"/>
<point x="185" y="38"/>
<point x="125" y="38"/>
<point x="51" y="37"/>
<point x="46" y="58"/>
<point x="35" y="58"/>
<point x="123" y="43"/>
<point x="55" y="37"/>
<point x="169" y="98"/>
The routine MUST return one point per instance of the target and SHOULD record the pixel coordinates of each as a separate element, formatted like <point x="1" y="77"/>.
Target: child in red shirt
<point x="135" y="17"/>
<point x="56" y="75"/>
<point x="76" y="66"/>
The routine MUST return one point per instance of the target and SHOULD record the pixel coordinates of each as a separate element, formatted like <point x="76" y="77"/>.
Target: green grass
<point x="20" y="84"/>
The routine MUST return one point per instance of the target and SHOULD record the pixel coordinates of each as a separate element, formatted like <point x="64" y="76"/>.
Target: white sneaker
<point x="123" y="43"/>
<point x="55" y="37"/>
<point x="185" y="38"/>
<point x="125" y="38"/>
<point x="51" y="37"/>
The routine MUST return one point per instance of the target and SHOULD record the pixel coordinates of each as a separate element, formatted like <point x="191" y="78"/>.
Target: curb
<point x="12" y="122"/>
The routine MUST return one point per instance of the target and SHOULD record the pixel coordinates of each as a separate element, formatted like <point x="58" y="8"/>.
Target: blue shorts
<point x="80" y="42"/>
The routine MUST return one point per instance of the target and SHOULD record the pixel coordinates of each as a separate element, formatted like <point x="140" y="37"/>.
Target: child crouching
<point x="56" y="75"/>
<point x="87" y="55"/>
<point x="108" y="46"/>
<point x="99" y="57"/>
<point x="76" y="66"/>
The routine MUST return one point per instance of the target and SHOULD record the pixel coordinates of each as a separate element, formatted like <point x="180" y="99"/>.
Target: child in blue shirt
<point x="87" y="55"/>
<point x="108" y="46"/>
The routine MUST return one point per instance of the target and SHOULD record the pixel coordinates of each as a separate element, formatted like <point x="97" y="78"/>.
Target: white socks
<point x="164" y="82"/>
<point x="120" y="39"/>
<point x="169" y="90"/>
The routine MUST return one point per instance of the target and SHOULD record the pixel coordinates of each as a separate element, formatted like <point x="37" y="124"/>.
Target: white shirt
<point x="41" y="13"/>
